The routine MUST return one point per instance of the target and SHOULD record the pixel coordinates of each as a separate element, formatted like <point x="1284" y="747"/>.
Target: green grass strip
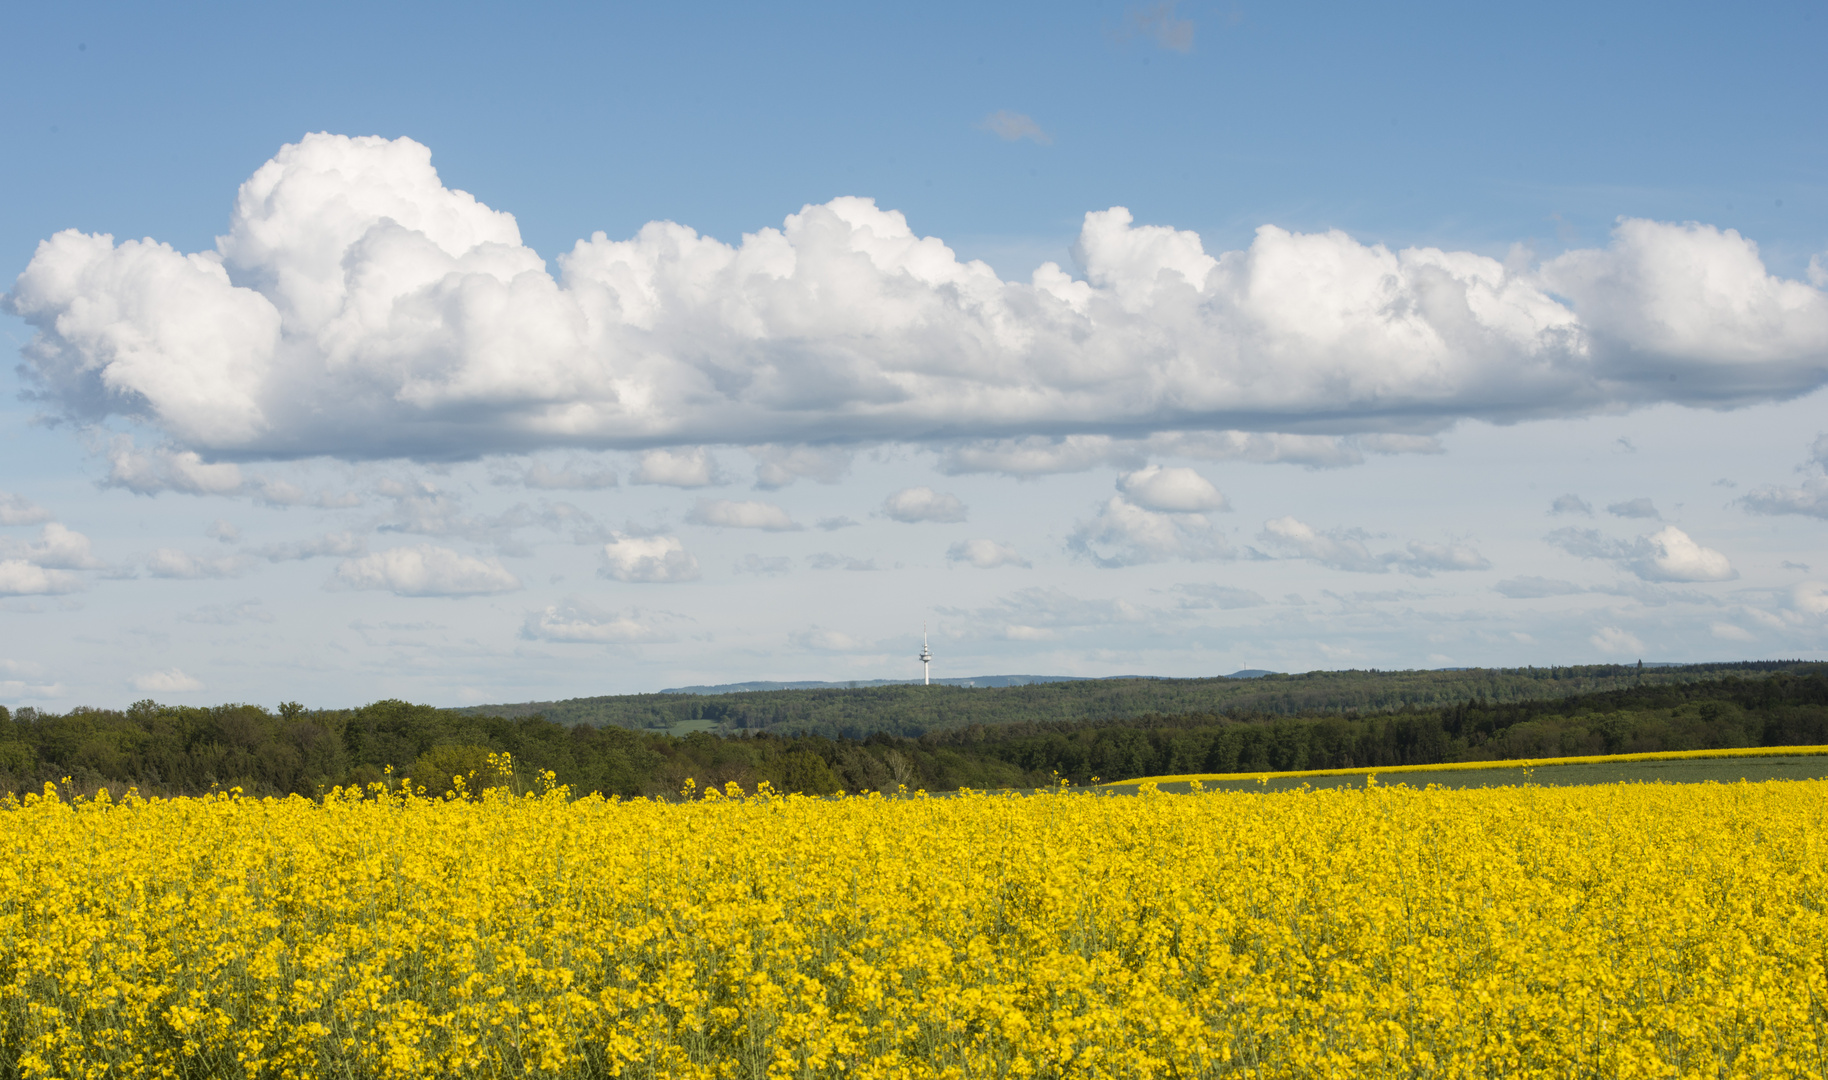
<point x="1471" y="766"/>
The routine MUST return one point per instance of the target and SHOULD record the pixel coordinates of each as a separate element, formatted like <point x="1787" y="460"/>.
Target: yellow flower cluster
<point x="1627" y="931"/>
<point x="1477" y="766"/>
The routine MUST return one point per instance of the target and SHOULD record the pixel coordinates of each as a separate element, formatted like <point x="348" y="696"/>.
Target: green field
<point x="1688" y="771"/>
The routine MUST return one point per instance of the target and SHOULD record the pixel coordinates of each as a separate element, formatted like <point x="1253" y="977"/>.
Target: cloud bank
<point x="358" y="307"/>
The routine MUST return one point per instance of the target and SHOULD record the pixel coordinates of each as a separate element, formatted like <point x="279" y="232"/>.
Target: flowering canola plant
<point x="1624" y="931"/>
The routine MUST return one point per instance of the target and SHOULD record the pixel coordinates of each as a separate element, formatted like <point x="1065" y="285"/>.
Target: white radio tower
<point x="926" y="656"/>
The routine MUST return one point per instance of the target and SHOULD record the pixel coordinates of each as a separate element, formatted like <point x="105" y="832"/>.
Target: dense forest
<point x="165" y="749"/>
<point x="910" y="711"/>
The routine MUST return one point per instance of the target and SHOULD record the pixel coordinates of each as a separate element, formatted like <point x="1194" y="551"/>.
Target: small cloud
<point x="1788" y="565"/>
<point x="19" y="688"/>
<point x="1810" y="499"/>
<point x="1019" y="632"/>
<point x="778" y="466"/>
<point x="1223" y="597"/>
<point x="818" y="640"/>
<point x="1725" y="483"/>
<point x="1385" y="443"/>
<point x="172" y="563"/>
<point x="278" y="493"/>
<point x="58" y="548"/>
<point x="693" y="468"/>
<point x="1673" y="556"/>
<point x="1535" y="588"/>
<point x="1170" y="490"/>
<point x="426" y="570"/>
<point x="1424" y="560"/>
<point x="574" y="475"/>
<point x="1625" y="444"/>
<point x="1158" y="23"/>
<point x="1635" y="508"/>
<point x="764" y="565"/>
<point x="1730" y="632"/>
<point x="831" y="523"/>
<point x="220" y="529"/>
<point x="918" y="504"/>
<point x="731" y="514"/>
<point x="1571" y="504"/>
<point x="21" y="578"/>
<point x="576" y="621"/>
<point x="1668" y="554"/>
<point x="985" y="554"/>
<point x="1014" y="126"/>
<point x="1611" y="639"/>
<point x="648" y="559"/>
<point x="165" y="469"/>
<point x="1037" y="455"/>
<point x="18" y="510"/>
<point x="825" y="560"/>
<point x="1810" y="597"/>
<point x="339" y="544"/>
<point x="1340" y="549"/>
<point x="1124" y="534"/>
<point x="169" y="681"/>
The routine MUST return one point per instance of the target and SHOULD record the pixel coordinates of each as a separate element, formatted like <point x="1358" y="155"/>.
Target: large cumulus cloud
<point x="358" y="307"/>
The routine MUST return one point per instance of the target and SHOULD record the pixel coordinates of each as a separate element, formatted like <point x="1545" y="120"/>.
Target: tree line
<point x="173" y="750"/>
<point x="910" y="711"/>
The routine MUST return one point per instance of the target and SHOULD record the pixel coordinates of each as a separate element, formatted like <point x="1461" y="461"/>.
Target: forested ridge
<point x="913" y="710"/>
<point x="164" y="749"/>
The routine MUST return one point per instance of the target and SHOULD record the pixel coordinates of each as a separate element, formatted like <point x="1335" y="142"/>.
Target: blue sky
<point x="1527" y="368"/>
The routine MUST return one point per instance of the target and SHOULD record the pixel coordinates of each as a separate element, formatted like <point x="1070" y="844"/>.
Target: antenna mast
<point x="926" y="657"/>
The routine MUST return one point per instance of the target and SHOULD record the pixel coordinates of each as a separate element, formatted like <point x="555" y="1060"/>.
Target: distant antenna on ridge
<point x="926" y="656"/>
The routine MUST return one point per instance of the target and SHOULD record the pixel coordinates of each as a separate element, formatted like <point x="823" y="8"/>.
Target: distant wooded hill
<point x="1018" y="737"/>
<point x="909" y="711"/>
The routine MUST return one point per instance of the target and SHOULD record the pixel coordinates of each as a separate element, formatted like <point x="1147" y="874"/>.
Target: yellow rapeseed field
<point x="1624" y="931"/>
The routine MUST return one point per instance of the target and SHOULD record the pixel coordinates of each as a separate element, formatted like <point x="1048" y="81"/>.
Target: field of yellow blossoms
<point x="1621" y="931"/>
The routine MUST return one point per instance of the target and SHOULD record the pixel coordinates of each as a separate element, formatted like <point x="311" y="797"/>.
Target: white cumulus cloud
<point x="19" y="510"/>
<point x="580" y="622"/>
<point x="169" y="681"/>
<point x="1341" y="549"/>
<point x="174" y="563"/>
<point x="693" y="468"/>
<point x="1673" y="556"/>
<point x="1634" y="508"/>
<point x="1171" y="490"/>
<point x="917" y="504"/>
<point x="1611" y="639"/>
<point x="21" y="578"/>
<point x="985" y="554"/>
<point x="1124" y="534"/>
<point x="654" y="559"/>
<point x="747" y="514"/>
<point x="1345" y="549"/>
<point x="1669" y="554"/>
<point x="1810" y="597"/>
<point x="57" y="548"/>
<point x="358" y="307"/>
<point x="778" y="466"/>
<point x="340" y="544"/>
<point x="425" y="570"/>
